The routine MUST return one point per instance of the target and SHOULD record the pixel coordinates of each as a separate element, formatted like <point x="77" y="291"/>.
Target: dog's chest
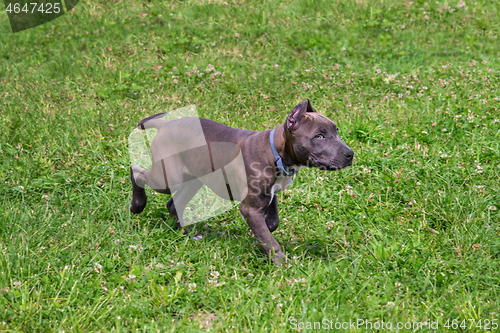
<point x="281" y="183"/>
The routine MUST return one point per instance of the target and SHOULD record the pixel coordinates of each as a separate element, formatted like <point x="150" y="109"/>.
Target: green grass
<point x="410" y="232"/>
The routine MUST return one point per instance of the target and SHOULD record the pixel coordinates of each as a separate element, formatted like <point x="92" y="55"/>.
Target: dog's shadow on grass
<point x="159" y="218"/>
<point x="209" y="230"/>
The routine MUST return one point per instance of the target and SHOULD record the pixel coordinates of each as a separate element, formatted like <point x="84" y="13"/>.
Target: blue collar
<point x="285" y="171"/>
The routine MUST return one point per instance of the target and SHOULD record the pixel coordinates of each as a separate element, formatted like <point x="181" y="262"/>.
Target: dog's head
<point x="315" y="140"/>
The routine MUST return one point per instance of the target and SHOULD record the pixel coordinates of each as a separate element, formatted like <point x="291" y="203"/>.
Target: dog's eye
<point x="319" y="137"/>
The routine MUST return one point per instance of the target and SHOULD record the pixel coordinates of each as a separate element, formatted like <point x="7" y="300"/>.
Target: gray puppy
<point x="182" y="160"/>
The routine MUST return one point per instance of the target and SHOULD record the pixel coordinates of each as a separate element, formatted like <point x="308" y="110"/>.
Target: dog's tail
<point x="139" y="140"/>
<point x="148" y="123"/>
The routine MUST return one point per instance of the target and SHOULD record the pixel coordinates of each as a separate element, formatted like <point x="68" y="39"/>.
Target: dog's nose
<point x="348" y="155"/>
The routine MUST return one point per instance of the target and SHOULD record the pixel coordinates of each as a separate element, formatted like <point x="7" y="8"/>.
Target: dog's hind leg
<point x="140" y="177"/>
<point x="171" y="208"/>
<point x="139" y="197"/>
<point x="271" y="215"/>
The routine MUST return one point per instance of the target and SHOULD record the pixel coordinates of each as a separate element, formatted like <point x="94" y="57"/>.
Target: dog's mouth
<point x="333" y="165"/>
<point x="331" y="168"/>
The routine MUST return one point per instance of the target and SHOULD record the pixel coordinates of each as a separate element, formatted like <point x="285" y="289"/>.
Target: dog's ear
<point x="293" y="118"/>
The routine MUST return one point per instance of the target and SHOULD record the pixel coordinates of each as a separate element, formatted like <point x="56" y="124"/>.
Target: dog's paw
<point x="136" y="209"/>
<point x="280" y="260"/>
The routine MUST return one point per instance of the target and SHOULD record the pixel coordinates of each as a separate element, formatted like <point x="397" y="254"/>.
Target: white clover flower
<point x="97" y="268"/>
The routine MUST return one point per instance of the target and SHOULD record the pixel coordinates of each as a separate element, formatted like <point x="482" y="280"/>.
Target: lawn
<point x="409" y="233"/>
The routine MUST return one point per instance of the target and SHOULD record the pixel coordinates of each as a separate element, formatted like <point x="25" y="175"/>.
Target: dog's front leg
<point x="255" y="219"/>
<point x="271" y="215"/>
